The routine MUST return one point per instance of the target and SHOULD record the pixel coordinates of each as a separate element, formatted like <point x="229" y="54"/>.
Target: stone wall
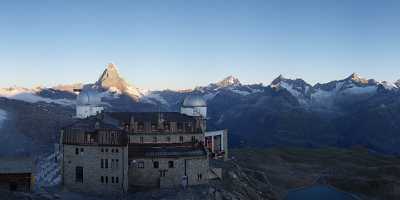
<point x="142" y="172"/>
<point x="90" y="160"/>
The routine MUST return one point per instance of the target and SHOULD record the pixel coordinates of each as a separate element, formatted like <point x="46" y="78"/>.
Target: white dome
<point x="194" y="101"/>
<point x="88" y="97"/>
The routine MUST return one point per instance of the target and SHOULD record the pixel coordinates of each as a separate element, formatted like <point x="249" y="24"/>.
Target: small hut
<point x="16" y="173"/>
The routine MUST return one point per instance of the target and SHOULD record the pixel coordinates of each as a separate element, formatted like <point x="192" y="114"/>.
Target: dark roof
<point x="90" y="123"/>
<point x="150" y="116"/>
<point x="15" y="165"/>
<point x="164" y="150"/>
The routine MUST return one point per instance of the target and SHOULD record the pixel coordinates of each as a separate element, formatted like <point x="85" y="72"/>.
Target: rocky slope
<point x="269" y="174"/>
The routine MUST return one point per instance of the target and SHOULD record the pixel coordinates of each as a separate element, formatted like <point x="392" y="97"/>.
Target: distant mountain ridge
<point x="111" y="81"/>
<point x="345" y="112"/>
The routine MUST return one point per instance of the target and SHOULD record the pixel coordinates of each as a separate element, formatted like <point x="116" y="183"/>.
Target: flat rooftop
<point x="16" y="165"/>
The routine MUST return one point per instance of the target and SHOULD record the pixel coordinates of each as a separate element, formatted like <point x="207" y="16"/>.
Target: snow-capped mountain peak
<point x="278" y="80"/>
<point x="298" y="87"/>
<point x="388" y="85"/>
<point x="111" y="80"/>
<point x="228" y="81"/>
<point x="355" y="78"/>
<point x="397" y="83"/>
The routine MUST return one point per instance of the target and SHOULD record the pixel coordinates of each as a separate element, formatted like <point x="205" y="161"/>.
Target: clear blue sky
<point x="180" y="44"/>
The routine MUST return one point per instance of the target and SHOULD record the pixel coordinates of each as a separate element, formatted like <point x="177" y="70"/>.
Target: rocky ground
<point x="358" y="171"/>
<point x="268" y="174"/>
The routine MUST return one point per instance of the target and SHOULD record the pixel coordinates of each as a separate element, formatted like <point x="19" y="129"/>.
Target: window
<point x="193" y="138"/>
<point x="106" y="179"/>
<point x="106" y="163"/>
<point x="140" y="164"/>
<point x="106" y="150"/>
<point x="79" y="174"/>
<point x="162" y="173"/>
<point x="116" y="179"/>
<point x="180" y="138"/>
<point x="179" y="126"/>
<point x="112" y="150"/>
<point x="102" y="179"/>
<point x="116" y="163"/>
<point x="112" y="179"/>
<point x="168" y="139"/>
<point x="141" y="140"/>
<point x="76" y="151"/>
<point x="102" y="163"/>
<point x="199" y="176"/>
<point x="156" y="164"/>
<point x="102" y="150"/>
<point x="116" y="150"/>
<point x="81" y="150"/>
<point x="154" y="139"/>
<point x="171" y="164"/>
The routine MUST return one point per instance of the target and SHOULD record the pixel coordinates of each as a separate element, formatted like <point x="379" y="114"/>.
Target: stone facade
<point x="152" y="150"/>
<point x="97" y="176"/>
<point x="162" y="138"/>
<point x="143" y="173"/>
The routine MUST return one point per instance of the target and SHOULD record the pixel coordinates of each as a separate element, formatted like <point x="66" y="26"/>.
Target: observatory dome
<point x="194" y="101"/>
<point x="88" y="97"/>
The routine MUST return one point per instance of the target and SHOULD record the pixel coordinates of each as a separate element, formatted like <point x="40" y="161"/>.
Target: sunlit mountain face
<point x="347" y="112"/>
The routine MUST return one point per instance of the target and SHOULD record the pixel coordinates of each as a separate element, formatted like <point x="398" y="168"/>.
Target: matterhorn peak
<point x="229" y="81"/>
<point x="111" y="72"/>
<point x="111" y="80"/>
<point x="111" y="66"/>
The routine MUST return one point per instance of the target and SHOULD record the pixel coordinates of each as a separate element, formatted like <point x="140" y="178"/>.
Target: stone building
<point x="121" y="151"/>
<point x="94" y="157"/>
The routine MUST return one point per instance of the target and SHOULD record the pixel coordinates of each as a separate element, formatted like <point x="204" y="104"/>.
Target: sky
<point x="182" y="44"/>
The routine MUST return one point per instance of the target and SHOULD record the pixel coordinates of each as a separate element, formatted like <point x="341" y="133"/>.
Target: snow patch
<point x="133" y="91"/>
<point x="150" y="97"/>
<point x="243" y="93"/>
<point x="3" y="116"/>
<point x="388" y="85"/>
<point x="290" y="89"/>
<point x="30" y="96"/>
<point x="210" y="96"/>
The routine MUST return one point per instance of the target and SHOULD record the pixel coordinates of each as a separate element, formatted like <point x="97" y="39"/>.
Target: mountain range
<point x="353" y="111"/>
